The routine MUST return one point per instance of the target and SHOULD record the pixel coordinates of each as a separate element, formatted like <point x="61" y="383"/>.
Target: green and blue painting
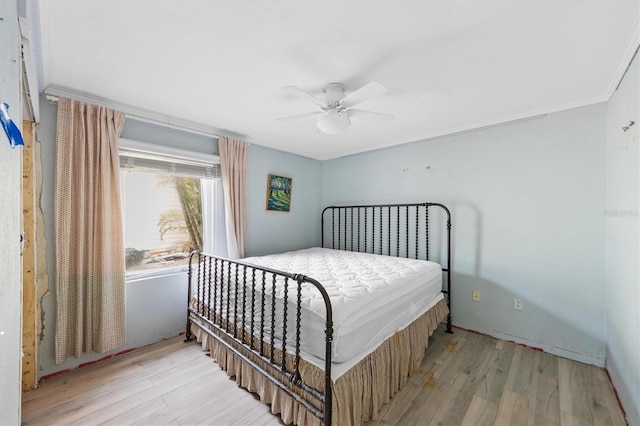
<point x="278" y="193"/>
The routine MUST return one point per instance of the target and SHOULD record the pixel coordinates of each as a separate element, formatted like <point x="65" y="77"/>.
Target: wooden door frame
<point x="29" y="257"/>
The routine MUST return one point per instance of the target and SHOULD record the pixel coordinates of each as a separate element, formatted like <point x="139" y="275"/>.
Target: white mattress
<point x="372" y="297"/>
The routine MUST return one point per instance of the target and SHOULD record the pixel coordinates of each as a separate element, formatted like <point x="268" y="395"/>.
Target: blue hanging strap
<point x="10" y="128"/>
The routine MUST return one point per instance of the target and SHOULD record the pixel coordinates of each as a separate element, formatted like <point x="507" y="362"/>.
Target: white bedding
<point x="372" y="297"/>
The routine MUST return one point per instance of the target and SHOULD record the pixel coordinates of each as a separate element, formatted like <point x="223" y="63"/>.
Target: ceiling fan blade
<point x="367" y="91"/>
<point x="369" y="115"/>
<point x="295" y="91"/>
<point x="299" y="116"/>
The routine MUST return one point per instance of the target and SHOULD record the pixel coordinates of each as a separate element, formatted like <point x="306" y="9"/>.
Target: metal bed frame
<point x="235" y="300"/>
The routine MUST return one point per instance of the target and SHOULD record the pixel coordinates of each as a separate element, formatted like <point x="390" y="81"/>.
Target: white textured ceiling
<point x="449" y="65"/>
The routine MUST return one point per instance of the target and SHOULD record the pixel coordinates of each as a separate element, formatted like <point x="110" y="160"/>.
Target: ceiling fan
<point x="336" y="109"/>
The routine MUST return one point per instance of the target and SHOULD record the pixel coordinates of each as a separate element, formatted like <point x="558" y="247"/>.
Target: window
<point x="171" y="204"/>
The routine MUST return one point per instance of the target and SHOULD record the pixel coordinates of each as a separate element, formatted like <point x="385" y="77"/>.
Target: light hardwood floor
<point x="465" y="379"/>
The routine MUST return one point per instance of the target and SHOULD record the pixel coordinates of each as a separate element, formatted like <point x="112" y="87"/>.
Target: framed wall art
<point x="279" y="193"/>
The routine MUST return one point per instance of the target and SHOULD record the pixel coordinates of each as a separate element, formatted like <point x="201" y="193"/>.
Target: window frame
<point x="130" y="147"/>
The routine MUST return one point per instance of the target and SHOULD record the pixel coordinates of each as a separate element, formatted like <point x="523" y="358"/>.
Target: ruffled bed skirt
<point x="358" y="394"/>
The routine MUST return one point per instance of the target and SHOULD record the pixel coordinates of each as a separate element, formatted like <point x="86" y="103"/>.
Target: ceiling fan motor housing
<point x="333" y="93"/>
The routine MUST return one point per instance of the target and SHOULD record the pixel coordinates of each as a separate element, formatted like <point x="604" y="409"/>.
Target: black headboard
<point x="417" y="230"/>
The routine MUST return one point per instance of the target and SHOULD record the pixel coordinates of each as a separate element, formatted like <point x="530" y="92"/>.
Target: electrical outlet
<point x="475" y="296"/>
<point x="517" y="304"/>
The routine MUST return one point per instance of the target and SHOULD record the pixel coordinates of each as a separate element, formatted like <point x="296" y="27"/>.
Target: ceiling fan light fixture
<point x="334" y="122"/>
<point x="336" y="109"/>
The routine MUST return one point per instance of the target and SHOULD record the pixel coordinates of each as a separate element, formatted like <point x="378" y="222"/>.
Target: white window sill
<point x="155" y="273"/>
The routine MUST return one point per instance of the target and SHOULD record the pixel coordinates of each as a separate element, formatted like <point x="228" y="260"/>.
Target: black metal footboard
<point x="402" y="230"/>
<point x="259" y="309"/>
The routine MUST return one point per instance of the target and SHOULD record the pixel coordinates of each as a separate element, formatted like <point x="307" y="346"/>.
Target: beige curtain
<point x="90" y="264"/>
<point x="233" y="155"/>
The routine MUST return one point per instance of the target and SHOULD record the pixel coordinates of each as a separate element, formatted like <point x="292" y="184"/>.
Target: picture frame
<point x="279" y="193"/>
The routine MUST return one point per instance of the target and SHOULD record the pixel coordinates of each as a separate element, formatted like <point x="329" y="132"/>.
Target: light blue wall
<point x="527" y="203"/>
<point x="166" y="136"/>
<point x="10" y="222"/>
<point x="622" y="238"/>
<point x="275" y="232"/>
<point x="46" y="135"/>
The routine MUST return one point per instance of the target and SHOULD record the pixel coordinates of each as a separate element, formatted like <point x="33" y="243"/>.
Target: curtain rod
<point x="133" y="113"/>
